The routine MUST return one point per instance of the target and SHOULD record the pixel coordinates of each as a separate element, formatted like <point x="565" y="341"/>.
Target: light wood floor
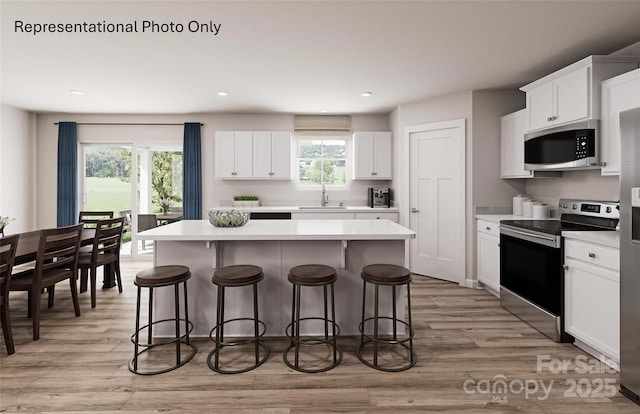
<point x="466" y="343"/>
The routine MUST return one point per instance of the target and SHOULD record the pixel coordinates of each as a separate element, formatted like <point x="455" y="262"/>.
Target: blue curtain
<point x="192" y="174"/>
<point x="67" y="174"/>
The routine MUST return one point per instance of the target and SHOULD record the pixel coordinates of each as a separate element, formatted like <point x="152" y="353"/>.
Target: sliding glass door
<point x="152" y="198"/>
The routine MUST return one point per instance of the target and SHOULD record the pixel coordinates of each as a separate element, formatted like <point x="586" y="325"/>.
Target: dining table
<point x="27" y="250"/>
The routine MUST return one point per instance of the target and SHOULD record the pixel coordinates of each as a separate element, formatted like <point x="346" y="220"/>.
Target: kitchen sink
<point x="321" y="208"/>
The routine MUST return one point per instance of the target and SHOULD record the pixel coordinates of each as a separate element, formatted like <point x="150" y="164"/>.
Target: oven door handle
<point x="550" y="241"/>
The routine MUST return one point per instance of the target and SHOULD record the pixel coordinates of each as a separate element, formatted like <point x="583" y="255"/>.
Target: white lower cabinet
<point x="592" y="298"/>
<point x="488" y="252"/>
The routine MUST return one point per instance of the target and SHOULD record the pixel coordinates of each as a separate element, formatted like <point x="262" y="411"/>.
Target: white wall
<point x="214" y="191"/>
<point x="582" y="184"/>
<point x="482" y="111"/>
<point x="17" y="169"/>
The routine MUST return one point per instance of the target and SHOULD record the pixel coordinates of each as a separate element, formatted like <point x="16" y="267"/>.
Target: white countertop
<point x="311" y="209"/>
<point x="281" y="230"/>
<point x="605" y="238"/>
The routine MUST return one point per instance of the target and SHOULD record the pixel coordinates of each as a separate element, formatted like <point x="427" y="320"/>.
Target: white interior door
<point x="437" y="199"/>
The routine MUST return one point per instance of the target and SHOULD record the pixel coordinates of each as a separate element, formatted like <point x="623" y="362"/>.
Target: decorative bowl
<point x="228" y="218"/>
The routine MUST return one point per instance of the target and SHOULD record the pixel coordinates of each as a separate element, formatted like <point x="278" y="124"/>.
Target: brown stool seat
<point x="313" y="274"/>
<point x="386" y="274"/>
<point x="162" y="276"/>
<point x="237" y="275"/>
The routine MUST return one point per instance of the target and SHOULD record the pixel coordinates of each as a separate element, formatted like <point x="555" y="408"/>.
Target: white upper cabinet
<point x="618" y="94"/>
<point x="253" y="155"/>
<point x="372" y="155"/>
<point x="512" y="146"/>
<point x="572" y="93"/>
<point x="272" y="155"/>
<point x="233" y="154"/>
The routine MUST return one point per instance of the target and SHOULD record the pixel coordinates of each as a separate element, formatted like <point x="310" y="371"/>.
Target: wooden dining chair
<point x="146" y="222"/>
<point x="105" y="250"/>
<point x="89" y="218"/>
<point x="8" y="247"/>
<point x="56" y="261"/>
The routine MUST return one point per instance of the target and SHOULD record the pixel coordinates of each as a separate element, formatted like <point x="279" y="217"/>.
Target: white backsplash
<point x="582" y="184"/>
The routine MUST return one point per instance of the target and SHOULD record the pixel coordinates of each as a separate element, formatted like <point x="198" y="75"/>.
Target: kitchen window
<point x="321" y="161"/>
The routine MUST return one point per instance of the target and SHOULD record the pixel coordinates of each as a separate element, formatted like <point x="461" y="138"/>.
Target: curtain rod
<point x="122" y="123"/>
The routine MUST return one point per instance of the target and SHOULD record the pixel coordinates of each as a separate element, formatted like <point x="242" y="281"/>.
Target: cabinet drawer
<point x="377" y="216"/>
<point x="593" y="253"/>
<point x="489" y="227"/>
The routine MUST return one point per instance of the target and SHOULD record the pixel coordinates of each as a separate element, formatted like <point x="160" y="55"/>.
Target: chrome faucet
<point x="325" y="199"/>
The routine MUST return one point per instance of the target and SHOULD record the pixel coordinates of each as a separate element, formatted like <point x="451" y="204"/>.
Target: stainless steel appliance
<point x="567" y="147"/>
<point x="630" y="255"/>
<point x="379" y="197"/>
<point x="531" y="262"/>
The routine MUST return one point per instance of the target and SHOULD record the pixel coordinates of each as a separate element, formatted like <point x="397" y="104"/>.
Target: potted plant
<point x="246" y="201"/>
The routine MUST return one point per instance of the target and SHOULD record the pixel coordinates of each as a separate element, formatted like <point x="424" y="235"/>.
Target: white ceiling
<point x="296" y="56"/>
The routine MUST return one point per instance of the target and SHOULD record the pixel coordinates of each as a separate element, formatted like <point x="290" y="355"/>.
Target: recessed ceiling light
<point x="366" y="93"/>
<point x="324" y="110"/>
<point x="76" y="92"/>
<point x="223" y="93"/>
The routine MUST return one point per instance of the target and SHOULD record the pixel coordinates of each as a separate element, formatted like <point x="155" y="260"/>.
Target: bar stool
<point x="151" y="278"/>
<point x="386" y="275"/>
<point x="312" y="275"/>
<point x="236" y="276"/>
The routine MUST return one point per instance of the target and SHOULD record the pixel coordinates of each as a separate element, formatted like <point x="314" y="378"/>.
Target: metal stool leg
<point x="137" y="334"/>
<point x="375" y="326"/>
<point x="256" y="331"/>
<point x="176" y="305"/>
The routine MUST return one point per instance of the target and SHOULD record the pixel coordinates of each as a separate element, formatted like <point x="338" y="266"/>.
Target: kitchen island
<point x="276" y="246"/>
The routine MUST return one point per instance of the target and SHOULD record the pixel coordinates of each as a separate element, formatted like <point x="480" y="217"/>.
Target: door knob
<point x="414" y="210"/>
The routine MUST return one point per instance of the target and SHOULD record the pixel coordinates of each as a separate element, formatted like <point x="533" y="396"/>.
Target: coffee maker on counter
<point x="379" y="197"/>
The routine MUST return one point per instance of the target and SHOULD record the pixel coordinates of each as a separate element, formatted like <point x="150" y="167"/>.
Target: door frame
<point x="405" y="180"/>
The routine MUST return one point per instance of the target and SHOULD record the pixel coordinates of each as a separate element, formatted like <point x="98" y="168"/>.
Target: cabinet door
<point x="382" y="155"/>
<point x="539" y="107"/>
<point x="489" y="261"/>
<point x="243" y="154"/>
<point x="363" y="155"/>
<point x="592" y="306"/>
<point x="512" y="146"/>
<point x="261" y="155"/>
<point x="281" y="155"/>
<point x="572" y="96"/>
<point x="225" y="154"/>
<point x="618" y="94"/>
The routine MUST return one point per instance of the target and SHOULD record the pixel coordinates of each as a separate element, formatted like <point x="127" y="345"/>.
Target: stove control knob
<point x="608" y="209"/>
<point x="575" y="207"/>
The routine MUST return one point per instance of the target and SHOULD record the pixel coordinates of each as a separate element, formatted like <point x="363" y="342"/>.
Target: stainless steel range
<point x="531" y="262"/>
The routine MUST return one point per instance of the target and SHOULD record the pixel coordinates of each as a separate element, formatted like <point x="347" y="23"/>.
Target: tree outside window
<point x="322" y="162"/>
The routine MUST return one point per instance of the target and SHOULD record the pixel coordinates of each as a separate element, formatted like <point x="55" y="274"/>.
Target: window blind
<point x="322" y="126"/>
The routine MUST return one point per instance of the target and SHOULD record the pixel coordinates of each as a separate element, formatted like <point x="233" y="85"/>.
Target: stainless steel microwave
<point x="566" y="147"/>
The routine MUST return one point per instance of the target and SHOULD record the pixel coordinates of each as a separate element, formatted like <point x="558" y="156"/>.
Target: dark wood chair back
<point x="104" y="251"/>
<point x="108" y="238"/>
<point x="8" y="247"/>
<point x="89" y="218"/>
<point x="147" y="221"/>
<point x="58" y="252"/>
<point x="56" y="260"/>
